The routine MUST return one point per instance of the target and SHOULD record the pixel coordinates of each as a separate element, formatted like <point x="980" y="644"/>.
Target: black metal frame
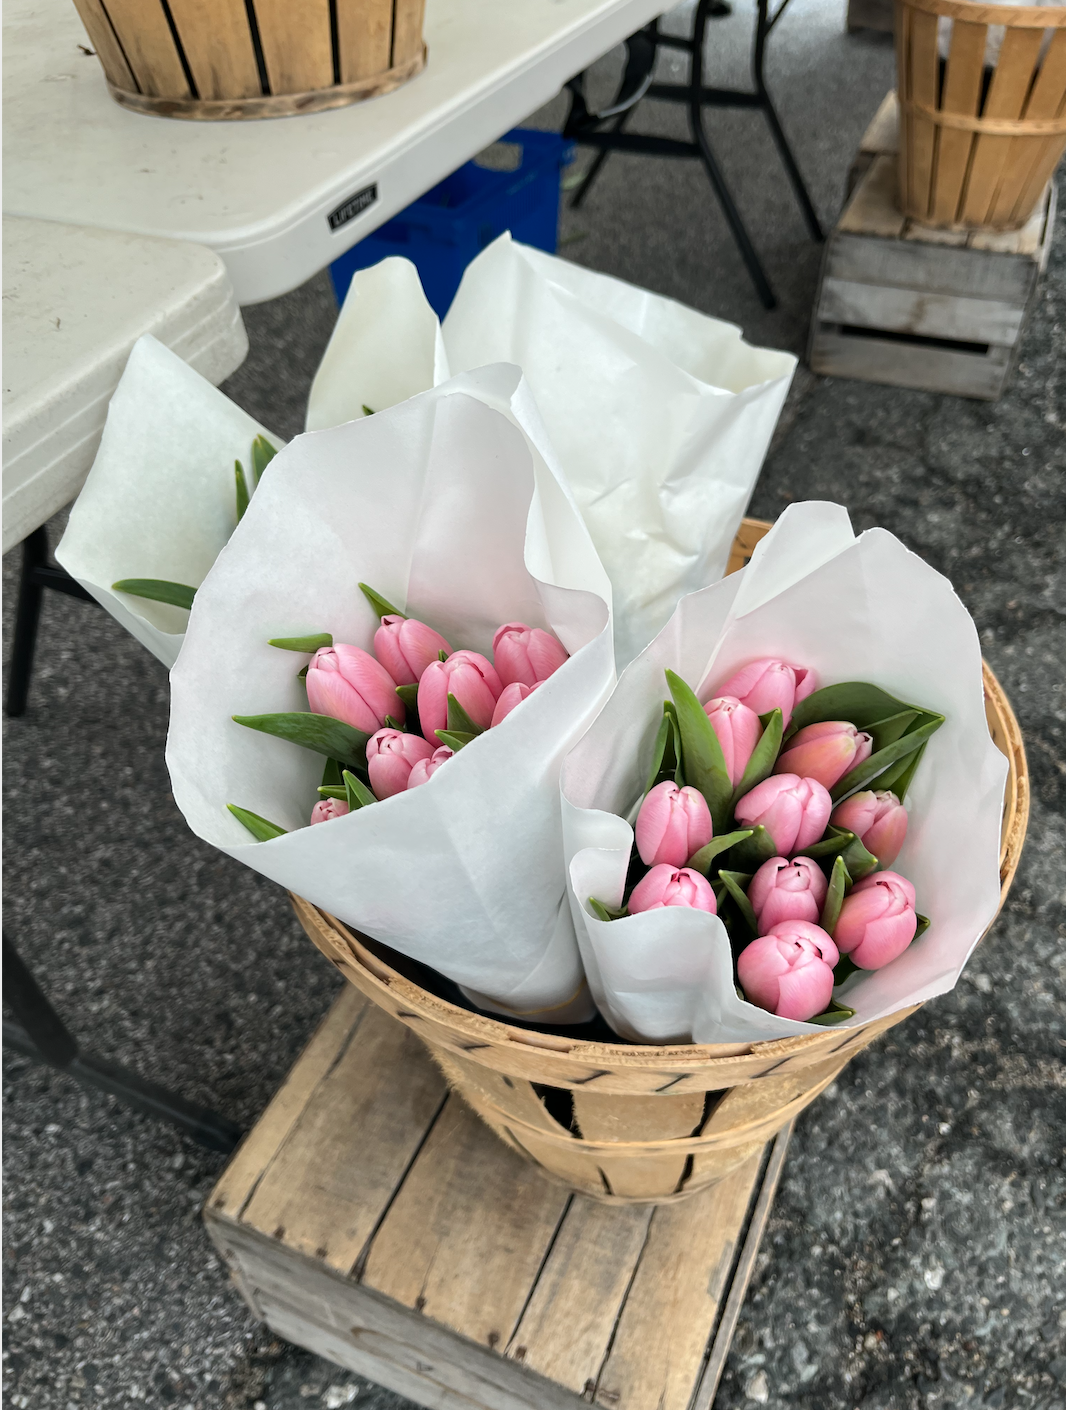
<point x="39" y="1033"/>
<point x="637" y="84"/>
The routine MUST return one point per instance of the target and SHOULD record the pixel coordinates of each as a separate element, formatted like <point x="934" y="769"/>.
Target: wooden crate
<point x="908" y="305"/>
<point x="373" y="1218"/>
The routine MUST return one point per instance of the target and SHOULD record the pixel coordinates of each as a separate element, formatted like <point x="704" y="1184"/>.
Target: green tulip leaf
<point x="381" y="605"/>
<point x="602" y="912"/>
<point x="763" y="758"/>
<point x="734" y="882"/>
<point x="366" y="410"/>
<point x="750" y="854"/>
<point x="301" y="674"/>
<point x="156" y="590"/>
<point x="459" y="722"/>
<point x="834" y="896"/>
<point x="330" y="790"/>
<point x="409" y="695"/>
<point x="243" y="494"/>
<point x="442" y="655"/>
<point x="923" y="925"/>
<point x="262" y="454"/>
<point x="829" y="846"/>
<point x="898" y="778"/>
<point x="455" y="739"/>
<point x="845" y="968"/>
<point x="701" y="861"/>
<point x="318" y="732"/>
<point x="856" y="701"/>
<point x="877" y="763"/>
<point x="393" y="723"/>
<point x="886" y="732"/>
<point x="658" y="754"/>
<point x="311" y="643"/>
<point x="331" y="774"/>
<point x="702" y="761"/>
<point x="837" y="1014"/>
<point x="356" y="792"/>
<point x="260" y="828"/>
<point x="858" y="860"/>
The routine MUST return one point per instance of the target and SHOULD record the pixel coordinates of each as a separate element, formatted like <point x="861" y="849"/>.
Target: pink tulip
<point x="510" y="696"/>
<point x="346" y="683"/>
<point x="789" y="970"/>
<point x="668" y="886"/>
<point x="327" y="809"/>
<point x="877" y="920"/>
<point x="405" y="647"/>
<point x="825" y="751"/>
<point x="526" y="654"/>
<point x="672" y="825"/>
<point x="793" y="810"/>
<point x="878" y="820"/>
<point x="391" y="755"/>
<point x="782" y="890"/>
<point x="424" y="770"/>
<point x="771" y="685"/>
<point x="738" y="730"/>
<point x="470" y="678"/>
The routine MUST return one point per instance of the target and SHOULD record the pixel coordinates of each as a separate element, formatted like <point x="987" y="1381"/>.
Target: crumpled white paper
<point x="451" y="506"/>
<point x="160" y="499"/>
<point x="660" y="416"/>
<point x="854" y="609"/>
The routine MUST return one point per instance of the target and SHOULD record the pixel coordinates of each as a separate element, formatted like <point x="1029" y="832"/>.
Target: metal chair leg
<point x="27" y="615"/>
<point x="597" y="166"/>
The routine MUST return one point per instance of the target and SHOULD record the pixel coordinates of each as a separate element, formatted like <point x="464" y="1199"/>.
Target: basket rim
<point x="1012" y="16"/>
<point x="486" y="1031"/>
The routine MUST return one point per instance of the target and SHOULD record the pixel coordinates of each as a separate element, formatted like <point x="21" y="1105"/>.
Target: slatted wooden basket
<point x="639" y="1124"/>
<point x="221" y="59"/>
<point x="979" y="142"/>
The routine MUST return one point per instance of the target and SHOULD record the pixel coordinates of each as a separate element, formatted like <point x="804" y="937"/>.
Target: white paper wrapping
<point x="160" y="499"/>
<point x="660" y="416"/>
<point x="854" y="609"/>
<point x="449" y="504"/>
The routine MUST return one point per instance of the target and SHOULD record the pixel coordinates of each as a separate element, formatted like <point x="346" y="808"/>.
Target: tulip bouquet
<point x="437" y="828"/>
<point x="397" y="716"/>
<point x="746" y="860"/>
<point x="801" y="886"/>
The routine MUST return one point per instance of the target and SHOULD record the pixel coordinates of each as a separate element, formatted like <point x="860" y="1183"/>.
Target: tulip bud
<point x="424" y="770"/>
<point x="877" y="920"/>
<point x="878" y="820"/>
<point x="390" y="757"/>
<point x="789" y="970"/>
<point x="738" y="730"/>
<point x="771" y="685"/>
<point x="793" y="810"/>
<point x="470" y="678"/>
<point x="405" y="647"/>
<point x="327" y="809"/>
<point x="668" y="886"/>
<point x="346" y="683"/>
<point x="510" y="696"/>
<point x="782" y="890"/>
<point x="672" y="825"/>
<point x="826" y="751"/>
<point x="526" y="654"/>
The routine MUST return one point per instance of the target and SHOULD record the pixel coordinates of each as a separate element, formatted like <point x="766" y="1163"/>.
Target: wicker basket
<point x="635" y="1124"/>
<point x="979" y="144"/>
<point x="214" y="59"/>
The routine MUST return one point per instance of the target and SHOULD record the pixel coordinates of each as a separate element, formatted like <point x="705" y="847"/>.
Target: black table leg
<point x="39" y="1033"/>
<point x="763" y="27"/>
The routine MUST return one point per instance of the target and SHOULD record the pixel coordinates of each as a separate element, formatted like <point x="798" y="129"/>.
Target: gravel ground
<point x="917" y="1252"/>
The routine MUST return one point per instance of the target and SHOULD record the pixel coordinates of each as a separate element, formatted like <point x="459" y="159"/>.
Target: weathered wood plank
<point x="962" y="93"/>
<point x="895" y="364"/>
<point x="467" y="1205"/>
<point x="872" y="209"/>
<point x="675" y="1298"/>
<point x="1006" y="99"/>
<point x="382" y="1086"/>
<point x="934" y="269"/>
<point x="269" y="1133"/>
<point x="910" y="311"/>
<point x="566" y="1328"/>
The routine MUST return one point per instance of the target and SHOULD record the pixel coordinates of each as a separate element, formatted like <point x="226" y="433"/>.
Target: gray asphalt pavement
<point x="916" y="1256"/>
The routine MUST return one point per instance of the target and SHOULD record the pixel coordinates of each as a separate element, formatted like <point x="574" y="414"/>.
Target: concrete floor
<point x="917" y="1251"/>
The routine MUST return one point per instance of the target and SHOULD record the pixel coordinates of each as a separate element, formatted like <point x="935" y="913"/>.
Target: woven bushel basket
<point x="979" y="141"/>
<point x="630" y="1123"/>
<point x="222" y="59"/>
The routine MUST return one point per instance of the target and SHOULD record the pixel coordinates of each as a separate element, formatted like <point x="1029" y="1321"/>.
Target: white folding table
<point x="262" y="193"/>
